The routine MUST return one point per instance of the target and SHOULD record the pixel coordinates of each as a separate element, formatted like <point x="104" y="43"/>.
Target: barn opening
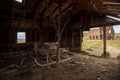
<point x="94" y="46"/>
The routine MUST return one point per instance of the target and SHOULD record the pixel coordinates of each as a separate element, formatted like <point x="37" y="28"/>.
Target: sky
<point x="19" y="1"/>
<point x="21" y="35"/>
<point x="116" y="28"/>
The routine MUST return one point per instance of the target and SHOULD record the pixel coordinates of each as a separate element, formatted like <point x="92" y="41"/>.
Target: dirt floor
<point x="80" y="67"/>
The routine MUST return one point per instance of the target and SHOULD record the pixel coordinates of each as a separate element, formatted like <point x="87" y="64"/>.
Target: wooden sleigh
<point x="49" y="54"/>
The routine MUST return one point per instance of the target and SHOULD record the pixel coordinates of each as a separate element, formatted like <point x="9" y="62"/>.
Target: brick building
<point x="97" y="33"/>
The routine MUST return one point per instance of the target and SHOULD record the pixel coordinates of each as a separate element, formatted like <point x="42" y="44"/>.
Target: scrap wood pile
<point x="15" y="60"/>
<point x="49" y="46"/>
<point x="24" y="59"/>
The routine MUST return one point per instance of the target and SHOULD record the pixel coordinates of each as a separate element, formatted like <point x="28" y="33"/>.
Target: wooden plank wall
<point x="5" y="18"/>
<point x="70" y="38"/>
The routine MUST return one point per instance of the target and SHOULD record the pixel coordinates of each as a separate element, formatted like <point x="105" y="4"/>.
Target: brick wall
<point x="97" y="34"/>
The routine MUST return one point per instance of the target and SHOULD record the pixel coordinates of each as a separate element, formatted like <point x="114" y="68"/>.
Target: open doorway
<point x="94" y="46"/>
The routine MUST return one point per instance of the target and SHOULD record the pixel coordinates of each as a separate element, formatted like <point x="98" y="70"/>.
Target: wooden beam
<point x="10" y="39"/>
<point x="25" y="25"/>
<point x="48" y="4"/>
<point x="66" y="38"/>
<point x="35" y="7"/>
<point x="30" y="36"/>
<point x="104" y="41"/>
<point x="41" y="13"/>
<point x="58" y="34"/>
<point x="55" y="9"/>
<point x="73" y="34"/>
<point x="18" y="25"/>
<point x="35" y="33"/>
<point x="81" y="38"/>
<point x="64" y="9"/>
<point x="52" y="20"/>
<point x="60" y="31"/>
<point x="65" y="24"/>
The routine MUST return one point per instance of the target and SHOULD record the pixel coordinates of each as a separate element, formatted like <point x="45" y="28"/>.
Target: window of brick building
<point x="90" y="37"/>
<point x="96" y="37"/>
<point x="93" y="37"/>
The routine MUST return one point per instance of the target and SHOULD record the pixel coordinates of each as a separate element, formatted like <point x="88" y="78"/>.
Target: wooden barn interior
<point x="55" y="22"/>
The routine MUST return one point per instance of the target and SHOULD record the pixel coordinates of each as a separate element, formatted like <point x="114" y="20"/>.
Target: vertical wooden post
<point x="73" y="44"/>
<point x="58" y="29"/>
<point x="9" y="37"/>
<point x="10" y="44"/>
<point x="81" y="36"/>
<point x="58" y="34"/>
<point x="30" y="36"/>
<point x="35" y="35"/>
<point x="48" y="36"/>
<point x="41" y="36"/>
<point x="104" y="41"/>
<point x="66" y="36"/>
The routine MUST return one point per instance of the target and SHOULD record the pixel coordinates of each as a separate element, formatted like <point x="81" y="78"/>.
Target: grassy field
<point x="117" y="35"/>
<point x="21" y="41"/>
<point x="114" y="43"/>
<point x="90" y="44"/>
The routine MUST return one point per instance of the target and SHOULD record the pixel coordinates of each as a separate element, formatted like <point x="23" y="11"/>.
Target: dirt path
<point x="113" y="51"/>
